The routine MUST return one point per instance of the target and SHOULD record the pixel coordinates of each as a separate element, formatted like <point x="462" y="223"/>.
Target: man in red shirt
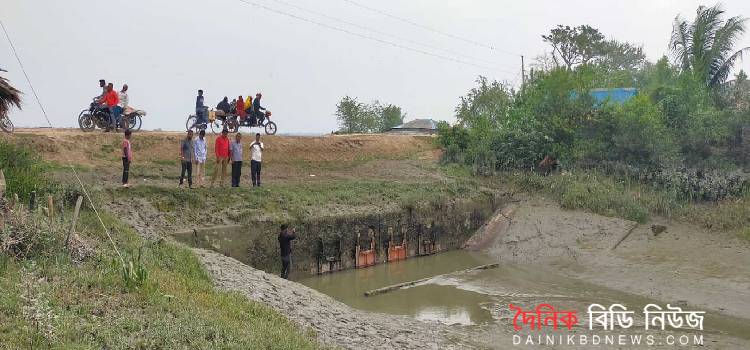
<point x="221" y="149"/>
<point x="110" y="100"/>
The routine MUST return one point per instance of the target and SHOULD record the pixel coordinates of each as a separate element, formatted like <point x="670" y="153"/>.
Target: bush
<point x="29" y="235"/>
<point x="23" y="170"/>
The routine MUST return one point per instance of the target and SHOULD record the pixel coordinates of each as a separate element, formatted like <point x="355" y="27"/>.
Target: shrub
<point x="23" y="170"/>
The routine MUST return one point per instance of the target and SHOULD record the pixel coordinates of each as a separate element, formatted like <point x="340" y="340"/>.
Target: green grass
<point x="610" y="196"/>
<point x="87" y="306"/>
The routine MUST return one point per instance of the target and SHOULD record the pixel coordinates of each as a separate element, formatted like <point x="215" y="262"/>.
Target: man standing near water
<point x="285" y="244"/>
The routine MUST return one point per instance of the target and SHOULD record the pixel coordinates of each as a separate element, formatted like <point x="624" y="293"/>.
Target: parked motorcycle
<point x="264" y="121"/>
<point x="215" y="122"/>
<point x="97" y="116"/>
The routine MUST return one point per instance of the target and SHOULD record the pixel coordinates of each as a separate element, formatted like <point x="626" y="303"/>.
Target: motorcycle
<point x="97" y="116"/>
<point x="263" y="121"/>
<point x="215" y="122"/>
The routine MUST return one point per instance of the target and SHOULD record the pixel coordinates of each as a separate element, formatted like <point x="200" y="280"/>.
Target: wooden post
<point x="50" y="207"/>
<point x="16" y="201"/>
<point x="32" y="200"/>
<point x="2" y="183"/>
<point x="75" y="218"/>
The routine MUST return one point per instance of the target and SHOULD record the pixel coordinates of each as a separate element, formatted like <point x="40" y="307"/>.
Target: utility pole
<point x="523" y="73"/>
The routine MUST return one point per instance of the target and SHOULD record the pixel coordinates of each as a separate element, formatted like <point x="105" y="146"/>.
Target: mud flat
<point x="683" y="265"/>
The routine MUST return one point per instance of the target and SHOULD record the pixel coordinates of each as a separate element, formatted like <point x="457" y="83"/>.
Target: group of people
<point x="243" y="108"/>
<point x="194" y="152"/>
<point x="115" y="102"/>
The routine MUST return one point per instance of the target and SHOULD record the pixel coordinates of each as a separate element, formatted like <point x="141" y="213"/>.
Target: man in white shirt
<point x="122" y="105"/>
<point x="256" y="154"/>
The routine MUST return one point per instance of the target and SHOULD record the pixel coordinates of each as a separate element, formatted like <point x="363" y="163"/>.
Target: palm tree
<point x="705" y="46"/>
<point x="9" y="96"/>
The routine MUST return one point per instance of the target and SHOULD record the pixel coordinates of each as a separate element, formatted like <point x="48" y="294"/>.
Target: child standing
<point x="127" y="157"/>
<point x="236" y="151"/>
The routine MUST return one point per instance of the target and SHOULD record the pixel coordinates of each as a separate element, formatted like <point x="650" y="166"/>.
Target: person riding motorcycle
<point x="224" y="105"/>
<point x="110" y="101"/>
<point x="257" y="115"/>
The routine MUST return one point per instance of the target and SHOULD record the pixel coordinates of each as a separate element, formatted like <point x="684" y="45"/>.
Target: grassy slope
<point x="48" y="301"/>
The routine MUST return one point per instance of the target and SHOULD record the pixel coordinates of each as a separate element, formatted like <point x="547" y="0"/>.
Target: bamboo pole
<point x="624" y="236"/>
<point x="390" y="288"/>
<point x="75" y="219"/>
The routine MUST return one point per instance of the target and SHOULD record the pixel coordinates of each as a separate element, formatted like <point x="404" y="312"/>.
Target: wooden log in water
<point x="387" y="289"/>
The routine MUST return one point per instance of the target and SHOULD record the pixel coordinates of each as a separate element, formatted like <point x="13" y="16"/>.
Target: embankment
<point x="331" y="243"/>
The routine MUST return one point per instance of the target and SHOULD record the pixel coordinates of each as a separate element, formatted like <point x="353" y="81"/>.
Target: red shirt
<point x="221" y="147"/>
<point x="111" y="98"/>
<point x="240" y="108"/>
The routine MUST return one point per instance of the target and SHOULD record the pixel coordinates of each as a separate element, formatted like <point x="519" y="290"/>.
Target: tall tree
<point x="574" y="45"/>
<point x="705" y="46"/>
<point x="9" y="96"/>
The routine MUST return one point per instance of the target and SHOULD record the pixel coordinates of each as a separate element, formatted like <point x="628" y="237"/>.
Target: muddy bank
<point x="334" y="323"/>
<point x="682" y="265"/>
<point x="334" y="243"/>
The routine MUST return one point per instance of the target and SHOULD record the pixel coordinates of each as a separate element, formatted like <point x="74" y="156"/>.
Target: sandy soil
<point x="683" y="265"/>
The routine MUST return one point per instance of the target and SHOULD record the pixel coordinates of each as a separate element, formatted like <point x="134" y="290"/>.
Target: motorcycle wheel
<point x="191" y="123"/>
<point x="86" y="123"/>
<point x="270" y="128"/>
<point x="232" y="125"/>
<point x="134" y="122"/>
<point x="6" y="125"/>
<point x="217" y="126"/>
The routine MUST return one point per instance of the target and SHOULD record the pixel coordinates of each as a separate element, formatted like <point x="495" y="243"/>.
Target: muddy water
<point x="481" y="298"/>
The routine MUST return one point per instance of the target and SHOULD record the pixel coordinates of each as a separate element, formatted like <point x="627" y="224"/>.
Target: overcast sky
<point x="167" y="49"/>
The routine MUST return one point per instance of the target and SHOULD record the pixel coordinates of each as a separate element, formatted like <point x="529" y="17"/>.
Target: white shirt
<point x="256" y="153"/>
<point x="200" y="150"/>
<point x="123" y="99"/>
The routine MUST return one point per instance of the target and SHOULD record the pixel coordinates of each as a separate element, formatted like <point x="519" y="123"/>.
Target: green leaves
<point x="358" y="117"/>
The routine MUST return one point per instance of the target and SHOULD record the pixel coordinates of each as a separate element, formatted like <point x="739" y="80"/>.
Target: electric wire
<point x="75" y="173"/>
<point x="367" y="37"/>
<point x="437" y="31"/>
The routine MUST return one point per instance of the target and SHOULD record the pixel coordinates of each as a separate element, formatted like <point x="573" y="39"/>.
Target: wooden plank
<point x="387" y="289"/>
<point x="75" y="219"/>
<point x="624" y="236"/>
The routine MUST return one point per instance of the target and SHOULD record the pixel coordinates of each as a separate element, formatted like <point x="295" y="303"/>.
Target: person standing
<point x="256" y="156"/>
<point x="122" y="105"/>
<point x="286" y="236"/>
<point x="200" y="157"/>
<point x="110" y="100"/>
<point x="236" y="150"/>
<point x="221" y="149"/>
<point x="127" y="157"/>
<point x="187" y="153"/>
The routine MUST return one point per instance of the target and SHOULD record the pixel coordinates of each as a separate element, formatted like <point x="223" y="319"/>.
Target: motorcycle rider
<point x="224" y="105"/>
<point x="200" y="109"/>
<point x="240" y="108"/>
<point x="257" y="108"/>
<point x="110" y="100"/>
<point x="103" y="85"/>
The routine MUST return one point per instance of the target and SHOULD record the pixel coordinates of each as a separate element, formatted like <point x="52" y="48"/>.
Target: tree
<point x="705" y="46"/>
<point x="349" y="114"/>
<point x="9" y="97"/>
<point x="490" y="101"/>
<point x="617" y="55"/>
<point x="390" y="116"/>
<point x="574" y="45"/>
<point x="357" y="117"/>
